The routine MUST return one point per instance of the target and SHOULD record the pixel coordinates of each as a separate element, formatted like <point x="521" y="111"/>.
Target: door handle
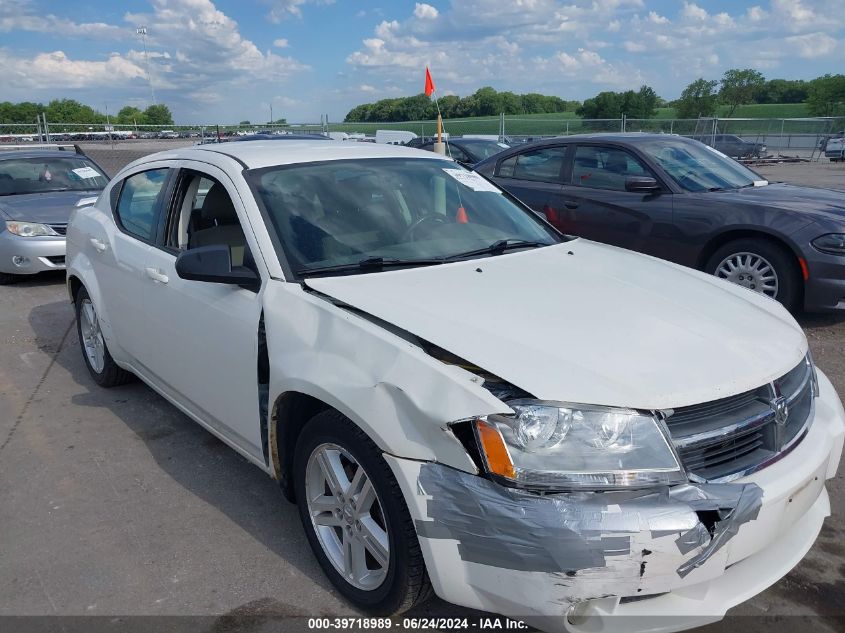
<point x="156" y="275"/>
<point x="98" y="245"/>
<point x="570" y="204"/>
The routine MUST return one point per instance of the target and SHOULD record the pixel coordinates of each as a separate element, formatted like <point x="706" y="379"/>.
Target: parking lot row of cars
<point x="461" y="394"/>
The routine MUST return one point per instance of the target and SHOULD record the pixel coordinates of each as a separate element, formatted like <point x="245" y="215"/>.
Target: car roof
<point x="622" y="137"/>
<point x="257" y="154"/>
<point x="282" y="137"/>
<point x="39" y="153"/>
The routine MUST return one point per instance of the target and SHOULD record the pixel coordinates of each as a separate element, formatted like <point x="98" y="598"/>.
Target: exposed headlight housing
<point x="561" y="446"/>
<point x="832" y="243"/>
<point x="28" y="229"/>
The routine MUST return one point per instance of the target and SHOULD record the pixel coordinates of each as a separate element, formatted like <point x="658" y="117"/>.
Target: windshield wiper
<point x="497" y="248"/>
<point x="367" y="264"/>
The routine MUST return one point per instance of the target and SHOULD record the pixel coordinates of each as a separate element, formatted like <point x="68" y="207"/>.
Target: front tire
<point x="7" y="279"/>
<point x="95" y="352"/>
<point x="355" y="517"/>
<point x="761" y="266"/>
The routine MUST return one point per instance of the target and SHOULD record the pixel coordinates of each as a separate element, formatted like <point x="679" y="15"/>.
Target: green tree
<point x="784" y="91"/>
<point x="739" y="87"/>
<point x="605" y="105"/>
<point x="23" y="112"/>
<point x="244" y="123"/>
<point x="158" y="114"/>
<point x="698" y="99"/>
<point x="827" y="96"/>
<point x="71" y="111"/>
<point x="129" y="115"/>
<point x="641" y="104"/>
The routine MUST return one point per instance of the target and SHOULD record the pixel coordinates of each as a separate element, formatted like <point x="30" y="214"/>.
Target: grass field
<point x="569" y="123"/>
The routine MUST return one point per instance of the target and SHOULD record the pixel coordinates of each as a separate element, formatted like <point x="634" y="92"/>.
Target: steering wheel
<point x="433" y="218"/>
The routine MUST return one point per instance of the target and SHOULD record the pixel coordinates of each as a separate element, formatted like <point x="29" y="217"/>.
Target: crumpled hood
<point x="812" y="201"/>
<point x="588" y="323"/>
<point x="52" y="207"/>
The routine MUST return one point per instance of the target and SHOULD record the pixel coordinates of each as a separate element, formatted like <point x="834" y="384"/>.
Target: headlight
<point x="832" y="243"/>
<point x="28" y="229"/>
<point x="559" y="446"/>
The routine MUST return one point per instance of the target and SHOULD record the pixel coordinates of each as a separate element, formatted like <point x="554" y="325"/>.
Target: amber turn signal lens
<point x="498" y="460"/>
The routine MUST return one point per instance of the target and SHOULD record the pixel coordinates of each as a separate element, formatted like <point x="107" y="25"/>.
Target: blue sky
<point x="227" y="60"/>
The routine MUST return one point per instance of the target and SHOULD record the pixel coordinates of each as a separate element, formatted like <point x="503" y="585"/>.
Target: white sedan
<point x="458" y="397"/>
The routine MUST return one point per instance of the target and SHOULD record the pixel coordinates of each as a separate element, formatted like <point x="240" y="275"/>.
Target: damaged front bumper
<point x="675" y="557"/>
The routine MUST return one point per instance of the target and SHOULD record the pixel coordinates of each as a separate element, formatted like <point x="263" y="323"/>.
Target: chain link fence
<point x="114" y="145"/>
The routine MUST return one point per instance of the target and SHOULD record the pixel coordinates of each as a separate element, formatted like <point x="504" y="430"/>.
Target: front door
<point x="601" y="208"/>
<point x="204" y="346"/>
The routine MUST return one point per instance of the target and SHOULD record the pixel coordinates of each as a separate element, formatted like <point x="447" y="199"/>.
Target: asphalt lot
<point x="114" y="503"/>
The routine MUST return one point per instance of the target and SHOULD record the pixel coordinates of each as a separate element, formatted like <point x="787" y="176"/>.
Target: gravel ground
<point x="114" y="503"/>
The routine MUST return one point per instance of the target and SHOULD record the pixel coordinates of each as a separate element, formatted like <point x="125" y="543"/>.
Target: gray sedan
<point x="38" y="191"/>
<point x="680" y="200"/>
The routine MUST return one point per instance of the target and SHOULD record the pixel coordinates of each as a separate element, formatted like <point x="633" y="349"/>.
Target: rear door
<point x="119" y="251"/>
<point x="600" y="208"/>
<point x="535" y="177"/>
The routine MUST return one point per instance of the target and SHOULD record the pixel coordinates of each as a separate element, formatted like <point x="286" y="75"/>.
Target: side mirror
<point x="214" y="264"/>
<point x="641" y="184"/>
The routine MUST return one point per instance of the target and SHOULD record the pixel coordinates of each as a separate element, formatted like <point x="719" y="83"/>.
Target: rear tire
<point x="336" y="523"/>
<point x="95" y="352"/>
<point x="758" y="264"/>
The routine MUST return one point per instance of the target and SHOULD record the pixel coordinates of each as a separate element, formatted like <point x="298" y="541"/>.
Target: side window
<point x="542" y="165"/>
<point x="138" y="205"/>
<point x="203" y="214"/>
<point x="605" y="167"/>
<point x="458" y="154"/>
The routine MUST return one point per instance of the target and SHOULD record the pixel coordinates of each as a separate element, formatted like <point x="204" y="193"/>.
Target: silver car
<point x="38" y="191"/>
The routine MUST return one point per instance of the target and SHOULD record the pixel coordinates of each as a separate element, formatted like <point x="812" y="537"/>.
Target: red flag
<point x="429" y="83"/>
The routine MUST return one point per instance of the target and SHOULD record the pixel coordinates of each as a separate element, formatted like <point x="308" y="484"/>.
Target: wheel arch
<point x="290" y="413"/>
<point x="717" y="241"/>
<point x="799" y="265"/>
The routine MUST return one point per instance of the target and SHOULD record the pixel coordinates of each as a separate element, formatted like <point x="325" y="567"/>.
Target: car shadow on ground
<point x="203" y="465"/>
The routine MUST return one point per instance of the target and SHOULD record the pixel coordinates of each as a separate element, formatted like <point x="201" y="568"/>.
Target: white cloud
<point x="425" y="11"/>
<point x="57" y="69"/>
<point x="21" y="15"/>
<point x="756" y="14"/>
<point x="366" y="88"/>
<point x="281" y="43"/>
<point x="812" y="45"/>
<point x="635" y="47"/>
<point x="694" y="12"/>
<point x="283" y="9"/>
<point x="614" y="26"/>
<point x="654" y="17"/>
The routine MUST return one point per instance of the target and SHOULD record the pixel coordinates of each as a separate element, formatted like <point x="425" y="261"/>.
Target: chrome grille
<point x="731" y="437"/>
<point x="61" y="229"/>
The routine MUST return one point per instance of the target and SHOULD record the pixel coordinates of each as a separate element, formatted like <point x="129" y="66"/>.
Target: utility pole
<point x="271" y="113"/>
<point x="142" y="31"/>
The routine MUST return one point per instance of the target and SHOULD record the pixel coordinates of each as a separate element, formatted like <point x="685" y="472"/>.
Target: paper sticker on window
<point x="86" y="172"/>
<point x="471" y="180"/>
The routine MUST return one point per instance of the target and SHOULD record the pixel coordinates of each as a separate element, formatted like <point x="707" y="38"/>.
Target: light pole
<point x="142" y="31"/>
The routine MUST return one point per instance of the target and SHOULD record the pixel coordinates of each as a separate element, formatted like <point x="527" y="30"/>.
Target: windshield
<point x="50" y="173"/>
<point x="698" y="167"/>
<point x="481" y="149"/>
<point x="409" y="210"/>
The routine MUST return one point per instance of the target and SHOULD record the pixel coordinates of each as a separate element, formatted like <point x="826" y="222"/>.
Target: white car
<point x="456" y="396"/>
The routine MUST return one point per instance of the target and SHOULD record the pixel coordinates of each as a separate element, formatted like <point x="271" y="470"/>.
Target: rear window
<point x="50" y="173"/>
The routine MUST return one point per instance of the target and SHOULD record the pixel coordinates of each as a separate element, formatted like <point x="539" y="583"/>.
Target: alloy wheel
<point x="347" y="516"/>
<point x="92" y="336"/>
<point x="750" y="270"/>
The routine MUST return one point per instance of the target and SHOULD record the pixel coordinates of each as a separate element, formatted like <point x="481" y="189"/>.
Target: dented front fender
<point x="401" y="397"/>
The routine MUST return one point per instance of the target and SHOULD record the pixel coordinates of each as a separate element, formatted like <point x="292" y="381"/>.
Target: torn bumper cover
<point x="686" y="553"/>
